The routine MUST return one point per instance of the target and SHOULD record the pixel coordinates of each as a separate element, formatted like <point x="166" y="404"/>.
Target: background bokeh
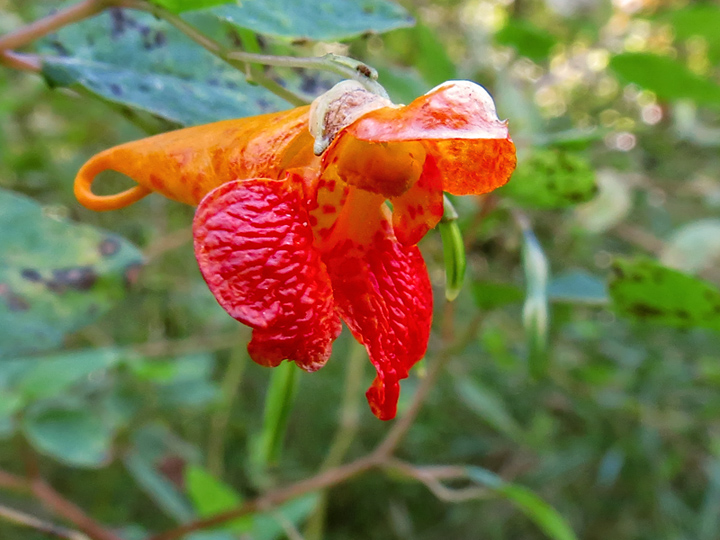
<point x="135" y="389"/>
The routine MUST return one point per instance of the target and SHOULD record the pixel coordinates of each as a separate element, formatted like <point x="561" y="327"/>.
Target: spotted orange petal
<point x="456" y="123"/>
<point x="254" y="246"/>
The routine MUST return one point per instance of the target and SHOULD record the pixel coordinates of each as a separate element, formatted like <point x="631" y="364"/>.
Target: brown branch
<point x="276" y="497"/>
<point x="378" y="458"/>
<point x="12" y="481"/>
<point x="42" y="27"/>
<point x="71" y="512"/>
<point x="386" y="448"/>
<point x="26" y="520"/>
<point x="59" y="505"/>
<point x="21" y="62"/>
<point x="431" y="477"/>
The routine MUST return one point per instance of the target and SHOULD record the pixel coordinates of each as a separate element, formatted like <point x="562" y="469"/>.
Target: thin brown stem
<point x="26" y="520"/>
<point x="71" y="512"/>
<point x="46" y="25"/>
<point x="21" y="62"/>
<point x="12" y="482"/>
<point x="402" y="426"/>
<point x="276" y="497"/>
<point x="431" y="477"/>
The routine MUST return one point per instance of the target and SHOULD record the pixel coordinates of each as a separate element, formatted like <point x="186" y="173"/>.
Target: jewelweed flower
<point x="290" y="242"/>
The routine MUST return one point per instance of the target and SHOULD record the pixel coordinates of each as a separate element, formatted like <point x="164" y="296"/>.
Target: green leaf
<point x="49" y="376"/>
<point x="269" y="526"/>
<point x="577" y="287"/>
<point x="611" y="205"/>
<point x="489" y="406"/>
<point x="73" y="434"/>
<point x="55" y="277"/>
<point x="178" y="6"/>
<point x="210" y="496"/>
<point x="527" y="39"/>
<point x="541" y="513"/>
<point x="668" y="78"/>
<point x="136" y="60"/>
<point x="695" y="20"/>
<point x="326" y="20"/>
<point x="490" y="295"/>
<point x="643" y="289"/>
<point x="158" y="487"/>
<point x="693" y="247"/>
<point x="551" y="179"/>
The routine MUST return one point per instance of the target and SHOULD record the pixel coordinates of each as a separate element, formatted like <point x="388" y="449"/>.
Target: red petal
<point x="420" y="208"/>
<point x="383" y="293"/>
<point x="255" y="250"/>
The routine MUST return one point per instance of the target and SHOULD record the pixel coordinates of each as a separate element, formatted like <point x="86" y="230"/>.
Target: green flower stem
<point x="341" y="65"/>
<point x="453" y="250"/>
<point x="219" y="421"/>
<point x="278" y="405"/>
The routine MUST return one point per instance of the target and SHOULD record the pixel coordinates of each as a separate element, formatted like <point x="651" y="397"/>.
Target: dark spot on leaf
<point x="144" y="87"/>
<point x="368" y="9"/>
<point x="13" y="301"/>
<point x="645" y="310"/>
<point x="31" y="275"/>
<point x="213" y="81"/>
<point x="160" y="39"/>
<point x="16" y="303"/>
<point x="683" y="314"/>
<point x="109" y="246"/>
<point x="618" y="272"/>
<point x="116" y="89"/>
<point x="300" y="41"/>
<point x="80" y="278"/>
<point x="59" y="48"/>
<point x="119" y="22"/>
<point x="131" y="274"/>
<point x="232" y="85"/>
<point x="264" y="105"/>
<point x="575" y="196"/>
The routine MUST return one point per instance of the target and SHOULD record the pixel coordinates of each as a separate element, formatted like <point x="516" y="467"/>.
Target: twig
<point x="379" y="457"/>
<point x="46" y="25"/>
<point x="431" y="477"/>
<point x="401" y="427"/>
<point x="12" y="481"/>
<point x="21" y="62"/>
<point x="27" y="520"/>
<point x="71" y="512"/>
<point x="276" y="497"/>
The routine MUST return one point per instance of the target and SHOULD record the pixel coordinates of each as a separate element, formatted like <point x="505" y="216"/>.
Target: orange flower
<point x="290" y="242"/>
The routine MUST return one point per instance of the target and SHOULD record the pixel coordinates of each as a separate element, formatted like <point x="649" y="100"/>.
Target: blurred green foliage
<point x="144" y="409"/>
